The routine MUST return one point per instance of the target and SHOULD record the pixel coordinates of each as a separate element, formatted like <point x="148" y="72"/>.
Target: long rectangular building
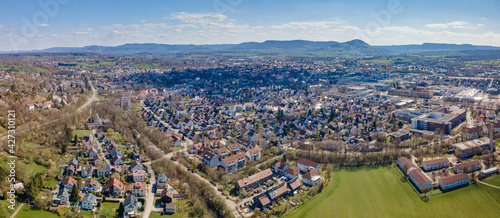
<point x="406" y="165"/>
<point x="453" y="181"/>
<point x="254" y="180"/>
<point x="468" y="167"/>
<point x="444" y="119"/>
<point x="436" y="164"/>
<point x="472" y="147"/>
<point x="420" y="180"/>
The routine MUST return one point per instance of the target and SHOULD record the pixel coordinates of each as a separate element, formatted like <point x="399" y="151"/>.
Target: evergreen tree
<point x="74" y="194"/>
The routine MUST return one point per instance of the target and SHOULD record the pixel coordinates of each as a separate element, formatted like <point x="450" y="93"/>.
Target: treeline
<point x="203" y="199"/>
<point x="347" y="159"/>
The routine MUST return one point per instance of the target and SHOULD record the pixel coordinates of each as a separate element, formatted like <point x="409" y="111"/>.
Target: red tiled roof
<point x="436" y="161"/>
<point x="454" y="178"/>
<point x="307" y="162"/>
<point x="419" y="177"/>
<point x="254" y="178"/>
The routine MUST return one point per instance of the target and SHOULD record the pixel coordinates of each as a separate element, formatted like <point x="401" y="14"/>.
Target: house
<point x="61" y="197"/>
<point x="490" y="171"/>
<point x="453" y="181"/>
<point x="234" y="162"/>
<point x="210" y="159"/>
<point x="292" y="173"/>
<point x="86" y="171"/>
<point x="162" y="181"/>
<point x="406" y="165"/>
<point x="222" y="152"/>
<point x="261" y="141"/>
<point x="262" y="201"/>
<point x="72" y="167"/>
<point x="139" y="175"/>
<point x="254" y="180"/>
<point x="68" y="183"/>
<point x="113" y="186"/>
<point x="436" y="164"/>
<point x="90" y="185"/>
<point x="139" y="189"/>
<point x="166" y="196"/>
<point x="306" y="165"/>
<point x="311" y="178"/>
<point x="253" y="154"/>
<point x="467" y="167"/>
<point x="89" y="201"/>
<point x="30" y="106"/>
<point x="130" y="205"/>
<point x="234" y="148"/>
<point x="420" y="180"/>
<point x="136" y="166"/>
<point x="294" y="184"/>
<point x="169" y="208"/>
<point x="279" y="167"/>
<point x="278" y="192"/>
<point x="97" y="160"/>
<point x="117" y="160"/>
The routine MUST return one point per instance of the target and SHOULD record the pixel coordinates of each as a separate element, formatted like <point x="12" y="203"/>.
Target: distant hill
<point x="353" y="48"/>
<point x="426" y="47"/>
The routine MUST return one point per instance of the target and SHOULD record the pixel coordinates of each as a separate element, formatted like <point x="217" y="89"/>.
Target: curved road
<point x="92" y="99"/>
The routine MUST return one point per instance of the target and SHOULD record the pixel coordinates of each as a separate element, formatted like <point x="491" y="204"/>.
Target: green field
<point x="109" y="209"/>
<point x="27" y="212"/>
<point x="380" y="193"/>
<point x="494" y="180"/>
<point x="184" y="213"/>
<point x="82" y="132"/>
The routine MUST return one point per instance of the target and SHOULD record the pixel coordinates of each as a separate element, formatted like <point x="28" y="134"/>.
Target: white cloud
<point x="121" y="27"/>
<point x="43" y="25"/>
<point x="197" y="18"/>
<point x="454" y="24"/>
<point x="1" y="26"/>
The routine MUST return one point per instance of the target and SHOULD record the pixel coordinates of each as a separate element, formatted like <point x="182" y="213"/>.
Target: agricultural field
<point x="380" y="192"/>
<point x="493" y="180"/>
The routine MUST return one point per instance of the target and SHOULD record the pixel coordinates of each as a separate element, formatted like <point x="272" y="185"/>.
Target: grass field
<point x="494" y="180"/>
<point x="82" y="132"/>
<point x="27" y="212"/>
<point x="109" y="209"/>
<point x="380" y="193"/>
<point x="184" y="213"/>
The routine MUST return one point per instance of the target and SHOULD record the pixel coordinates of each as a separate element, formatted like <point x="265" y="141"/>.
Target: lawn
<point x="494" y="180"/>
<point x="109" y="209"/>
<point x="380" y="193"/>
<point x="184" y="213"/>
<point x="51" y="183"/>
<point x="82" y="132"/>
<point x="27" y="212"/>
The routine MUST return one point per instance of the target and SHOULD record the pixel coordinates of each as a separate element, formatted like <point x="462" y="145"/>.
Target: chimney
<point x="492" y="141"/>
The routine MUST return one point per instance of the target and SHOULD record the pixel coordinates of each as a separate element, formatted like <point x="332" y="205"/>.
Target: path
<point x="17" y="210"/>
<point x="92" y="99"/>
<point x="490" y="185"/>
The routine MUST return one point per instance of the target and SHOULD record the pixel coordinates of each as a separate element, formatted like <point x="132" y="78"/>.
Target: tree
<point x="64" y="147"/>
<point x="400" y="124"/>
<point x="110" y="132"/>
<point x="33" y="188"/>
<point x="75" y="139"/>
<point x="69" y="132"/>
<point x="74" y="196"/>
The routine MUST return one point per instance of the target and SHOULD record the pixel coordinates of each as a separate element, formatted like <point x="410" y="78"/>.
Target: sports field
<point x="380" y="192"/>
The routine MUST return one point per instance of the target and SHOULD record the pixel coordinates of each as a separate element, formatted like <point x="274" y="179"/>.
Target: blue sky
<point x="28" y="24"/>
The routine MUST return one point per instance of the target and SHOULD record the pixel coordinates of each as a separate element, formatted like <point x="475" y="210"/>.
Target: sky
<point x="40" y="24"/>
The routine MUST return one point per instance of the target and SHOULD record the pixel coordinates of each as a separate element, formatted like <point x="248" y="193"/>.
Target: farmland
<point x="380" y="192"/>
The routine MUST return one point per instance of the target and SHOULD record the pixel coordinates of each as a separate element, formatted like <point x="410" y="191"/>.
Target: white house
<point x="88" y="202"/>
<point x="305" y="165"/>
<point x="311" y="178"/>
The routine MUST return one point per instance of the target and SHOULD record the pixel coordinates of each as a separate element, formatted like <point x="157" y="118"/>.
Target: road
<point x="231" y="205"/>
<point x="150" y="200"/>
<point x="92" y="99"/>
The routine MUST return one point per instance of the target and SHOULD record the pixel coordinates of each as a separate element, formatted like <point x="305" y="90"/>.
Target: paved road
<point x="92" y="99"/>
<point x="229" y="203"/>
<point x="150" y="200"/>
